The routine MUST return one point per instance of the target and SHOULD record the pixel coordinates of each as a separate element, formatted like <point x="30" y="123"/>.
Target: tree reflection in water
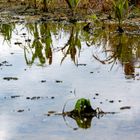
<point x="117" y="48"/>
<point x="41" y="46"/>
<point x="6" y="31"/>
<point x="124" y="49"/>
<point x="73" y="45"/>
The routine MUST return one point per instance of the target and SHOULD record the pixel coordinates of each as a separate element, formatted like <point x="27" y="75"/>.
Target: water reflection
<point x="111" y="47"/>
<point x="83" y="122"/>
<point x="73" y="45"/>
<point x="42" y="42"/>
<point x="6" y="31"/>
<point x="123" y="49"/>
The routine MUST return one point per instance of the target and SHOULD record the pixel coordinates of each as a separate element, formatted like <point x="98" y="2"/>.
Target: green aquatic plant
<point x="6" y="30"/>
<point x="83" y="113"/>
<point x="83" y="105"/>
<point x="73" y="4"/>
<point x="121" y="11"/>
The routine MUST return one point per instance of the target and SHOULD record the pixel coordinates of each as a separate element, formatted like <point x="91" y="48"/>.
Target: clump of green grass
<point x="73" y="4"/>
<point x="83" y="106"/>
<point x="120" y="8"/>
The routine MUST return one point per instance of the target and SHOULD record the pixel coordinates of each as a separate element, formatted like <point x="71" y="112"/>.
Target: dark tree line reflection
<point x="38" y="43"/>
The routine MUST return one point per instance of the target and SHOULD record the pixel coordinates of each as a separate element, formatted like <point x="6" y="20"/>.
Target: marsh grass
<point x="120" y="9"/>
<point x="73" y="4"/>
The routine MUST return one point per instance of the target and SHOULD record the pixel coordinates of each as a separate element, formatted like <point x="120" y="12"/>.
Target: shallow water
<point x="50" y="64"/>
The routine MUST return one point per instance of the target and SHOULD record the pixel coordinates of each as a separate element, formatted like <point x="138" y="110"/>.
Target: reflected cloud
<point x="3" y="135"/>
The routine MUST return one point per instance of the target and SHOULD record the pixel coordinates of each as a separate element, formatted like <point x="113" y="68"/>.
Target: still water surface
<point x="48" y="64"/>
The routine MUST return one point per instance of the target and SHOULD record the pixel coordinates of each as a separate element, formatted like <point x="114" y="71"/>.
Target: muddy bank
<point x="17" y="11"/>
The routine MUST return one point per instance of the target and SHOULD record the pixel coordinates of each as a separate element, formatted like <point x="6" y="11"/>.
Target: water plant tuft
<point x="121" y="11"/>
<point x="73" y="4"/>
<point x="83" y="106"/>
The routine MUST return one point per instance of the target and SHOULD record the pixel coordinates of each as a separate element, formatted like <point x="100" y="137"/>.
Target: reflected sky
<point x="85" y="63"/>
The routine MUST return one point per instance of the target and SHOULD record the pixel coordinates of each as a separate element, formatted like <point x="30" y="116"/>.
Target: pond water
<point x="44" y="66"/>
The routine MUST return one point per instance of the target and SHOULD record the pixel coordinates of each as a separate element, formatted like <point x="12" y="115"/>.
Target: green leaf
<point x="82" y="104"/>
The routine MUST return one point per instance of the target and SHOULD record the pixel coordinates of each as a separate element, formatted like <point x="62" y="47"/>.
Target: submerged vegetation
<point x="121" y="11"/>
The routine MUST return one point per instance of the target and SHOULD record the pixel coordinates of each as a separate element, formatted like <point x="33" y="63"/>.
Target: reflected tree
<point x="6" y="30"/>
<point x="73" y="45"/>
<point x="47" y="40"/>
<point x="112" y="46"/>
<point x="41" y="46"/>
<point x="122" y="48"/>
